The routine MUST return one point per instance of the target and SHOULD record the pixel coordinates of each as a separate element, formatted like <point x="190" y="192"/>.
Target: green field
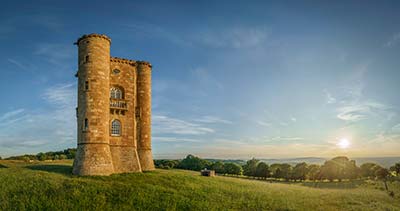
<point x="50" y="186"/>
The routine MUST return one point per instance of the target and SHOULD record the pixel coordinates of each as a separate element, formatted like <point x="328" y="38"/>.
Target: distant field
<point x="50" y="186"/>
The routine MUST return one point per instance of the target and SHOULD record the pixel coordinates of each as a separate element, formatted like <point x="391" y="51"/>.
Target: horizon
<point x="272" y="79"/>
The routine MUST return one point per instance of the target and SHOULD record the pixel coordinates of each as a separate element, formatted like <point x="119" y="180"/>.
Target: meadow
<point x="50" y="186"/>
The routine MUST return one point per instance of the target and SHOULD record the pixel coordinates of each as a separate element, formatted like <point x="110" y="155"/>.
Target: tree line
<point x="339" y="168"/>
<point x="58" y="155"/>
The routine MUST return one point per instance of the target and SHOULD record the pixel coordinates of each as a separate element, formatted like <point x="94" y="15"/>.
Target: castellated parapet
<point x="114" y="111"/>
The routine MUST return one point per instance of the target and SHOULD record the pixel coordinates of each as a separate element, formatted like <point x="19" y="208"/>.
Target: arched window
<point x="115" y="128"/>
<point x="115" y="93"/>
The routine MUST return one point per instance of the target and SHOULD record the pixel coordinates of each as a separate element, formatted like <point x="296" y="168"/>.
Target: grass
<point x="50" y="186"/>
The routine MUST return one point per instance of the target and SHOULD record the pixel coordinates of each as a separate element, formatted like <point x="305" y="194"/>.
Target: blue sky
<point x="231" y="79"/>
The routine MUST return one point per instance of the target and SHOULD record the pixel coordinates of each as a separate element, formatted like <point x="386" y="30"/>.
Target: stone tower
<point x="114" y="111"/>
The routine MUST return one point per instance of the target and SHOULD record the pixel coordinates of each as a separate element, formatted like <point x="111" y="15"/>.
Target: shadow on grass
<point x="3" y="166"/>
<point x="59" y="169"/>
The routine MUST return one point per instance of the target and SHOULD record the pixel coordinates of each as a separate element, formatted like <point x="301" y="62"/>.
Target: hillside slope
<point x="51" y="186"/>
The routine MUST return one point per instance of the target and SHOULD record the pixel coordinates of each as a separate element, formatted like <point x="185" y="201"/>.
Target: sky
<point x="231" y="79"/>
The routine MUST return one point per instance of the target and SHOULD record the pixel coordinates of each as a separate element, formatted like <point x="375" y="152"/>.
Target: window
<point x="86" y="125"/>
<point x="115" y="93"/>
<point x="87" y="59"/>
<point x="86" y="85"/>
<point x="115" y="128"/>
<point x="116" y="71"/>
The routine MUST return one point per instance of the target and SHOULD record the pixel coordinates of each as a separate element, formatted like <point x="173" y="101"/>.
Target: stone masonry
<point x="114" y="111"/>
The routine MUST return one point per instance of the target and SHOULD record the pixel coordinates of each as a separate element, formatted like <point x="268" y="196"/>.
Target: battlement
<point x="123" y="61"/>
<point x="144" y="63"/>
<point x="93" y="35"/>
<point x="130" y="62"/>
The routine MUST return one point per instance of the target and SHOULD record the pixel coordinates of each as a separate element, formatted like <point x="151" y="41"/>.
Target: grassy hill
<point x="50" y="186"/>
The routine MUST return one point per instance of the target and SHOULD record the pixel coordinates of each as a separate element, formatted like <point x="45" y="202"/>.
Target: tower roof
<point x="93" y="35"/>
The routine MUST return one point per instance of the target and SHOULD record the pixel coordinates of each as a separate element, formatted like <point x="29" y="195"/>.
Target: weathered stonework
<point x="103" y="150"/>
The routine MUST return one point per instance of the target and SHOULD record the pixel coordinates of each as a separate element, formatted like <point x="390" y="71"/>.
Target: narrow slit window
<point x="86" y="85"/>
<point x="87" y="59"/>
<point x="86" y="124"/>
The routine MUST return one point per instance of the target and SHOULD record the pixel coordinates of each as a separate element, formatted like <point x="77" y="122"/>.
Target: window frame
<point x="112" y="129"/>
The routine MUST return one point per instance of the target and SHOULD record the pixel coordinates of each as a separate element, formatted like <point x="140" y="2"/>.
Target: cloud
<point x="205" y="79"/>
<point x="174" y="139"/>
<point x="328" y="97"/>
<point x="293" y="119"/>
<point x="212" y="119"/>
<point x="10" y="114"/>
<point x="361" y="110"/>
<point x="278" y="138"/>
<point x="60" y="95"/>
<point x="236" y="37"/>
<point x="233" y="37"/>
<point x="149" y="30"/>
<point x="393" y="41"/>
<point x="396" y="128"/>
<point x="56" y="54"/>
<point x="53" y="128"/>
<point x="168" y="125"/>
<point x="262" y="123"/>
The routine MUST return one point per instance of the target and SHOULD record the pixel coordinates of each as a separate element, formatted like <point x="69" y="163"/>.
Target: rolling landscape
<point x="241" y="105"/>
<point x="51" y="186"/>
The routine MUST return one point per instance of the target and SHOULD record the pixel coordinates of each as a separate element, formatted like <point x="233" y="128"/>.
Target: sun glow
<point x="343" y="143"/>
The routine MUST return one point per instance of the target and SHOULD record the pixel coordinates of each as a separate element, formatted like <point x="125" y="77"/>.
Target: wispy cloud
<point x="236" y="37"/>
<point x="156" y="139"/>
<point x="233" y="37"/>
<point x="396" y="128"/>
<point x="61" y="95"/>
<point x="263" y="123"/>
<point x="329" y="99"/>
<point x="51" y="128"/>
<point x="393" y="41"/>
<point x="168" y="125"/>
<point x="10" y="114"/>
<point x="56" y="54"/>
<point x="360" y="110"/>
<point x="212" y="119"/>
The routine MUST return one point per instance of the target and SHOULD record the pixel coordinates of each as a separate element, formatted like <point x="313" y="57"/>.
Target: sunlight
<point x="343" y="143"/>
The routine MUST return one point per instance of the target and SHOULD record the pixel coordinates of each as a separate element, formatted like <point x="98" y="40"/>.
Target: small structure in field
<point x="207" y="173"/>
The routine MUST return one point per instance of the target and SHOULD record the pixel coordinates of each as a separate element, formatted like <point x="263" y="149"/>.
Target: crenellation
<point x="117" y="140"/>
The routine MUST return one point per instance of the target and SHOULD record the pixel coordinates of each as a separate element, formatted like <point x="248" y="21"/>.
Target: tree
<point x="382" y="174"/>
<point x="62" y="157"/>
<point x="396" y="168"/>
<point x="314" y="172"/>
<point x="250" y="168"/>
<point x="233" y="168"/>
<point x="300" y="171"/>
<point x="262" y="170"/>
<point x="368" y="170"/>
<point x="194" y="163"/>
<point x="218" y="167"/>
<point x="41" y="156"/>
<point x="281" y="170"/>
<point x="339" y="168"/>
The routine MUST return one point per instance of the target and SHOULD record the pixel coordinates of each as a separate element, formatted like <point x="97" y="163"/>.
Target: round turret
<point x="144" y="106"/>
<point x="93" y="155"/>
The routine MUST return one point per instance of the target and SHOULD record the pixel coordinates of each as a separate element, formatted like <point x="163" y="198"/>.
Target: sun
<point x="343" y="143"/>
